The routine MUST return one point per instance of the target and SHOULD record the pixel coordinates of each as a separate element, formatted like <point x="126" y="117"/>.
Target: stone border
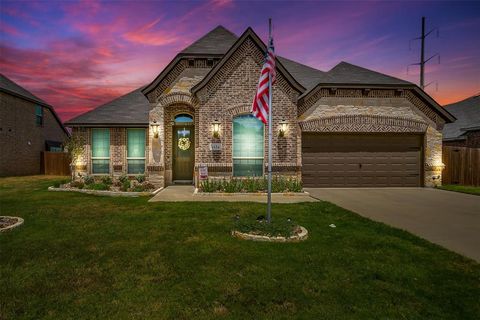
<point x="302" y="236"/>
<point x="107" y="192"/>
<point x="17" y="224"/>
<point x="228" y="194"/>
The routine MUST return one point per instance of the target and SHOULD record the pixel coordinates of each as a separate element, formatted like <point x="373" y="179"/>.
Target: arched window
<point x="247" y="146"/>
<point x="183" y="118"/>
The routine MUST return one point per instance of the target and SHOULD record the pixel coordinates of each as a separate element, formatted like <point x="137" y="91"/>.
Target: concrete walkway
<point x="450" y="219"/>
<point x="186" y="193"/>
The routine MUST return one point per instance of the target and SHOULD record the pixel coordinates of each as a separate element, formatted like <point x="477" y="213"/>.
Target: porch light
<point x="216" y="128"/>
<point x="155" y="126"/>
<point x="283" y="128"/>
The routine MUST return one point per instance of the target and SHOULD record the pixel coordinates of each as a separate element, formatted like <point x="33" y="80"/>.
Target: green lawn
<point x="463" y="189"/>
<point x="80" y="256"/>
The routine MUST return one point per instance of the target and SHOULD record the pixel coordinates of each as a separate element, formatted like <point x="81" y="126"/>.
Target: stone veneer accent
<point x="389" y="111"/>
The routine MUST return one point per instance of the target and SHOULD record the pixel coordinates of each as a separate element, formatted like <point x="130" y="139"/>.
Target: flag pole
<point x="269" y="194"/>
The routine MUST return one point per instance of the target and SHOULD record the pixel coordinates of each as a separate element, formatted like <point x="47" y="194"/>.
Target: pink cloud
<point x="145" y="35"/>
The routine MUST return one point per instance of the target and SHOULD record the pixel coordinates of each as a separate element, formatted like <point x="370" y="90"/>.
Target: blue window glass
<point x="39" y="116"/>
<point x="100" y="151"/>
<point x="247" y="146"/>
<point x="183" y="118"/>
<point x="136" y="151"/>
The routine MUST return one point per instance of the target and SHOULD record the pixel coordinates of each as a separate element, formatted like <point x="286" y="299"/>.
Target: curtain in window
<point x="100" y="150"/>
<point x="247" y="146"/>
<point x="136" y="151"/>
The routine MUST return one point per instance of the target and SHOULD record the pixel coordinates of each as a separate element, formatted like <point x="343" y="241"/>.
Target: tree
<point x="75" y="148"/>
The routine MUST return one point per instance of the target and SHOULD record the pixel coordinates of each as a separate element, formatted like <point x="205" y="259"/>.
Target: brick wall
<point x="21" y="140"/>
<point x="230" y="94"/>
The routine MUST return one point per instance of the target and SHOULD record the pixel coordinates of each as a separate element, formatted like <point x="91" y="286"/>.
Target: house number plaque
<point x="215" y="146"/>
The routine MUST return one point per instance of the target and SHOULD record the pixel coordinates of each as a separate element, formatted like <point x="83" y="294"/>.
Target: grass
<point x="460" y="188"/>
<point x="81" y="256"/>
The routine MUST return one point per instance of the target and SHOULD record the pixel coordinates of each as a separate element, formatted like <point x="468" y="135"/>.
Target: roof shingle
<point x="129" y="109"/>
<point x="467" y="113"/>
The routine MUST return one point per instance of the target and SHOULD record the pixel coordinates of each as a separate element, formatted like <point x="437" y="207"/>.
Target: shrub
<point x="98" y="186"/>
<point x="106" y="180"/>
<point x="279" y="184"/>
<point x="138" y="188"/>
<point x="88" y="180"/>
<point x="140" y="178"/>
<point x="77" y="184"/>
<point x="125" y="185"/>
<point x="123" y="178"/>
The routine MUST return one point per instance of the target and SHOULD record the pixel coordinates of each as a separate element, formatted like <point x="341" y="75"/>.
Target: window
<point x="136" y="151"/>
<point x="39" y="116"/>
<point x="100" y="151"/>
<point x="183" y="118"/>
<point x="247" y="146"/>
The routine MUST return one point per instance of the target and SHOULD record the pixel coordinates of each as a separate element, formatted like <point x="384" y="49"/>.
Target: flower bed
<point x="105" y="185"/>
<point x="280" y="184"/>
<point x="275" y="231"/>
<point x="8" y="223"/>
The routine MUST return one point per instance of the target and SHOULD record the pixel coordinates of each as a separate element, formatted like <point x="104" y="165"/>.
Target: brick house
<point x="349" y="126"/>
<point x="28" y="126"/>
<point x="465" y="132"/>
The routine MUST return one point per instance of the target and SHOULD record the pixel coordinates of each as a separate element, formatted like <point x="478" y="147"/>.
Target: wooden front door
<point x="183" y="152"/>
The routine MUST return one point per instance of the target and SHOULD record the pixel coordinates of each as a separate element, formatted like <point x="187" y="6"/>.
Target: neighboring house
<point x="28" y="126"/>
<point x="465" y="132"/>
<point x="346" y="127"/>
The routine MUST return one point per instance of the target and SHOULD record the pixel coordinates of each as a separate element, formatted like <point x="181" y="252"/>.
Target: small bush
<point x="106" y="180"/>
<point x="138" y="188"/>
<point x="125" y="185"/>
<point x="140" y="178"/>
<point x="279" y="184"/>
<point x="77" y="184"/>
<point x="88" y="180"/>
<point x="98" y="186"/>
<point x="123" y="178"/>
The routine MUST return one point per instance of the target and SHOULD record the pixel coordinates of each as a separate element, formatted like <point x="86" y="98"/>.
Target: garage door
<point x="346" y="160"/>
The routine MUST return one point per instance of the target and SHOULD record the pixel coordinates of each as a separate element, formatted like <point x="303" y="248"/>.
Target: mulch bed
<point x="6" y="221"/>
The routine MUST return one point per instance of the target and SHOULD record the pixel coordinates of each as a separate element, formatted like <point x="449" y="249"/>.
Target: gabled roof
<point x="249" y="33"/>
<point x="130" y="109"/>
<point x="467" y="113"/>
<point x="217" y="41"/>
<point x="10" y="87"/>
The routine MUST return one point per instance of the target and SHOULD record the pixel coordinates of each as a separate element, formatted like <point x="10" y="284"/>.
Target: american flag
<point x="260" y="102"/>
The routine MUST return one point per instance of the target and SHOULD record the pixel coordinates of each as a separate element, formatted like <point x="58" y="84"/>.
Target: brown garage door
<point x="369" y="160"/>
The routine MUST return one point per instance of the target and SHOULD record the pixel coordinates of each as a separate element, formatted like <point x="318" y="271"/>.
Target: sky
<point x="77" y="55"/>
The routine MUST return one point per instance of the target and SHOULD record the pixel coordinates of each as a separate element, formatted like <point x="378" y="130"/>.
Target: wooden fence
<point x="462" y="166"/>
<point x="56" y="163"/>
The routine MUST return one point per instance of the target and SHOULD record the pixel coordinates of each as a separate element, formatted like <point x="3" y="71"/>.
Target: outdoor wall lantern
<point x="155" y="126"/>
<point x="216" y="128"/>
<point x="283" y="128"/>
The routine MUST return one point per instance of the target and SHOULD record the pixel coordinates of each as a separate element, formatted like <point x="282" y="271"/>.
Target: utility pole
<point x="422" y="62"/>
<point x="422" y="56"/>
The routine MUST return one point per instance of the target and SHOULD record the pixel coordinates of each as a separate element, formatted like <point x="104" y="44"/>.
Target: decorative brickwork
<point x="363" y="123"/>
<point x="311" y="99"/>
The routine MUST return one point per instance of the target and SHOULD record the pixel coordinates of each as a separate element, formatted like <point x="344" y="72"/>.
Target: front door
<point x="183" y="153"/>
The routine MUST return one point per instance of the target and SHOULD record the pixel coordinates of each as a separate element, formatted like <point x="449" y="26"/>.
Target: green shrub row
<point x="279" y="184"/>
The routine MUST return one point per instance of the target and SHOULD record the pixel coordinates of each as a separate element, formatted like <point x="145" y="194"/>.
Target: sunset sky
<point x="78" y="55"/>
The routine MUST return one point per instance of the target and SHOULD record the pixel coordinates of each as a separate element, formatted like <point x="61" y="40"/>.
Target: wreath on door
<point x="184" y="143"/>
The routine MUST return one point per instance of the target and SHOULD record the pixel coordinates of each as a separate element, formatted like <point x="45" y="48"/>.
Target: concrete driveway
<point x="447" y="218"/>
